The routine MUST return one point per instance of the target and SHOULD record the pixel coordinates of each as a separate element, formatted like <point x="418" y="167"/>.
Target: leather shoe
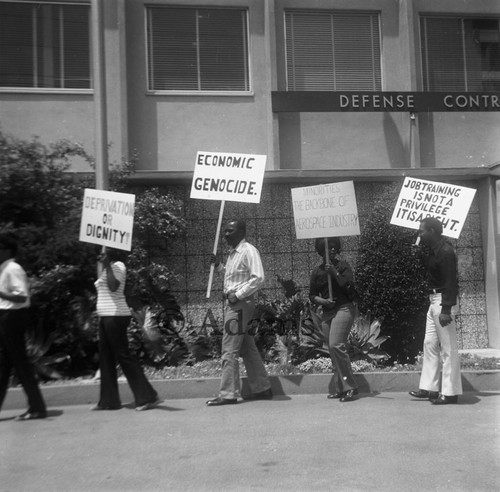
<point x="31" y="416"/>
<point x="424" y="394"/>
<point x="263" y="395"/>
<point x="349" y="395"/>
<point x="217" y="402"/>
<point x="445" y="400"/>
<point x="337" y="395"/>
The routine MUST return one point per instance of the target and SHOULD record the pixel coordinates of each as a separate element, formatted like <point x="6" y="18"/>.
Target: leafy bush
<point x="323" y="365"/>
<point x="312" y="342"/>
<point x="292" y="325"/>
<point x="154" y="338"/>
<point x="157" y="220"/>
<point x="42" y="203"/>
<point x="391" y="281"/>
<point x="364" y="341"/>
<point x="277" y="323"/>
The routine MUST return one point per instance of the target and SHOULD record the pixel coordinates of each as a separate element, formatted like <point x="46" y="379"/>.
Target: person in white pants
<point x="440" y="342"/>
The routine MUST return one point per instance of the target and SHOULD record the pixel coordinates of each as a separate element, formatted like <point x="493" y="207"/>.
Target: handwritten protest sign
<point x="325" y="210"/>
<point x="231" y="177"/>
<point x="446" y="202"/>
<point x="107" y="218"/>
<point x="227" y="177"/>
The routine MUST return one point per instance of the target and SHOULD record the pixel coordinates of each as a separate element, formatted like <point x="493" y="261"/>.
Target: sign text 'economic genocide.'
<point x="446" y="202"/>
<point x="107" y="218"/>
<point x="227" y="176"/>
<point x="325" y="210"/>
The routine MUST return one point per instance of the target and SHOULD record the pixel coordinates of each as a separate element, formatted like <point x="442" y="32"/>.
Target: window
<point x="193" y="49"/>
<point x="44" y="45"/>
<point x="460" y="54"/>
<point x="332" y="51"/>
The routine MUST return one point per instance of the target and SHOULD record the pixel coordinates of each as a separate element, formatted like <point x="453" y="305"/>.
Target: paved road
<point x="385" y="442"/>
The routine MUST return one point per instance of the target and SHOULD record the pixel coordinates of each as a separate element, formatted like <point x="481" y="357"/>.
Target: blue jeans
<point x="237" y="342"/>
<point x="336" y="327"/>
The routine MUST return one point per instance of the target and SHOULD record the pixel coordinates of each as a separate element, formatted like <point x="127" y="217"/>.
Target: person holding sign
<point x="440" y="342"/>
<point x="114" y="318"/>
<point x="330" y="288"/>
<point x="243" y="276"/>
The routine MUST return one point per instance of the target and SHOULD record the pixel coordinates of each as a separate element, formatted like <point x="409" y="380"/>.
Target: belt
<point x="436" y="291"/>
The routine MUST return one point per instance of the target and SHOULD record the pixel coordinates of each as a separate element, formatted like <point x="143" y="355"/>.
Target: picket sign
<point x="326" y="210"/>
<point x="107" y="218"/>
<point x="227" y="177"/>
<point x="327" y="262"/>
<point x="214" y="251"/>
<point x="420" y="198"/>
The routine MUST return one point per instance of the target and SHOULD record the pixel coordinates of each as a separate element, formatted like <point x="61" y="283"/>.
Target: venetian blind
<point x="16" y="45"/>
<point x="197" y="49"/>
<point x="44" y="45"/>
<point x="332" y="51"/>
<point x="460" y="54"/>
<point x="443" y="59"/>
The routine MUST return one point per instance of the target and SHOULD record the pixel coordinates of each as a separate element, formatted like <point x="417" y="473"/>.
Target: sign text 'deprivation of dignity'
<point x="107" y="218"/>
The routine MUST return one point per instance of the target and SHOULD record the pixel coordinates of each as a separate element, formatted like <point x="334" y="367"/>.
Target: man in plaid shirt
<point x="243" y="276"/>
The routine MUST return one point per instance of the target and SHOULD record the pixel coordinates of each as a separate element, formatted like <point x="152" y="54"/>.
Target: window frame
<point x="332" y="12"/>
<point x="424" y="73"/>
<point x="203" y="93"/>
<point x="56" y="90"/>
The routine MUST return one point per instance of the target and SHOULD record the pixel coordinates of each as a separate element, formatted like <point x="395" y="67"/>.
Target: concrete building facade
<point x="329" y="90"/>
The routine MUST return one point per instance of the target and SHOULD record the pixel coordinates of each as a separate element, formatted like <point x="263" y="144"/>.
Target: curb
<point x="172" y="389"/>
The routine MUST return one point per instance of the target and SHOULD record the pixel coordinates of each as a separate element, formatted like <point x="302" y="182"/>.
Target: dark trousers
<point x="113" y="349"/>
<point x="13" y="356"/>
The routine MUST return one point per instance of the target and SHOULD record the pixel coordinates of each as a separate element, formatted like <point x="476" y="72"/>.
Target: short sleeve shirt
<point x="112" y="303"/>
<point x="13" y="280"/>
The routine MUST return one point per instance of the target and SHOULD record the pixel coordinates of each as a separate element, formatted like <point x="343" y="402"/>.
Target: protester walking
<point x="114" y="318"/>
<point x="440" y="342"/>
<point x="331" y="287"/>
<point x="243" y="276"/>
<point x="14" y="317"/>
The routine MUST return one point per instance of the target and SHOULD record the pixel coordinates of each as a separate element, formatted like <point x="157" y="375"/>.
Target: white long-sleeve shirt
<point x="243" y="272"/>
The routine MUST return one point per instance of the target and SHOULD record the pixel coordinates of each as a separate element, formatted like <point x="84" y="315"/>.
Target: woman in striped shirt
<point x="114" y="318"/>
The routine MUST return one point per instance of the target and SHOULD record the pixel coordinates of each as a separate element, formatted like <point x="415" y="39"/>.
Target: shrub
<point x="364" y="341"/>
<point x="42" y="203"/>
<point x="391" y="281"/>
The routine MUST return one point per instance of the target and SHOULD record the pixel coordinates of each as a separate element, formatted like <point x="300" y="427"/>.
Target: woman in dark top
<point x="338" y="313"/>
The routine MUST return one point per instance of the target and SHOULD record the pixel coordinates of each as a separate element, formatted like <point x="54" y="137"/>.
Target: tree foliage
<point x="391" y="281"/>
<point x="42" y="202"/>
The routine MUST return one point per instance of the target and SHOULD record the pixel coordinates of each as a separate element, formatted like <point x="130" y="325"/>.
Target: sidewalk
<point x="381" y="442"/>
<point x="85" y="393"/>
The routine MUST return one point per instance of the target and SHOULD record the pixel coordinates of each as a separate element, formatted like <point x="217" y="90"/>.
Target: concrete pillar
<point x="273" y="154"/>
<point x="408" y="24"/>
<point x="116" y="79"/>
<point x="490" y="228"/>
